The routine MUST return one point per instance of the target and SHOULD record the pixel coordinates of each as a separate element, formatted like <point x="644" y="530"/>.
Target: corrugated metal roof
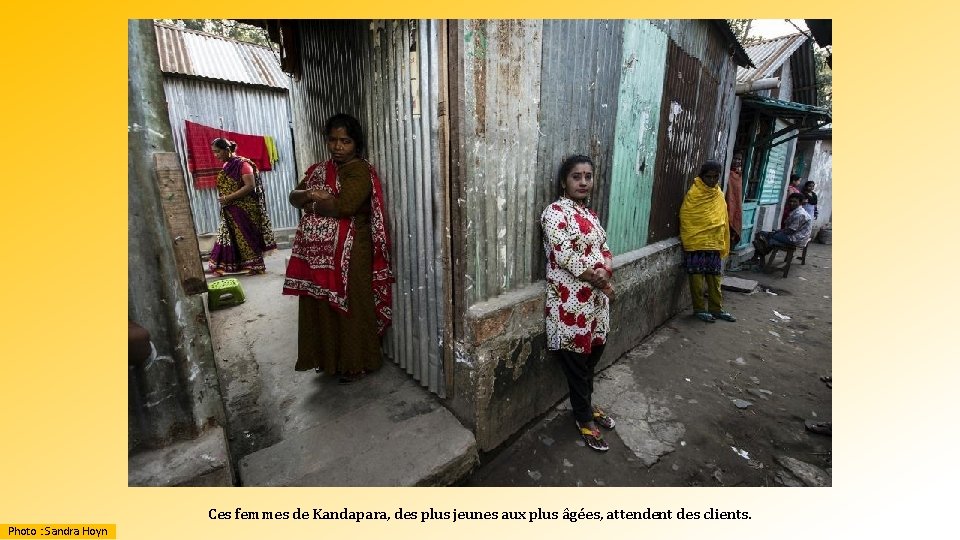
<point x="187" y="52"/>
<point x="768" y="56"/>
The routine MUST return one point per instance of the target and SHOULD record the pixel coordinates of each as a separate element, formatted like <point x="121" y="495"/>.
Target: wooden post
<point x="448" y="271"/>
<point x="176" y="210"/>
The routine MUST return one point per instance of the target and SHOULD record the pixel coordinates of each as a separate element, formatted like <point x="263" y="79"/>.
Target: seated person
<point x="795" y="232"/>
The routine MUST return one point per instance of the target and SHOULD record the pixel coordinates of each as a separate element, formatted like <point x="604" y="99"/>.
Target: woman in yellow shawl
<point x="705" y="234"/>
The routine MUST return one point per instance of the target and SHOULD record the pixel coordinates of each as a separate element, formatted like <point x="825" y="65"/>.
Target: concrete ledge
<point x="405" y="439"/>
<point x="203" y="461"/>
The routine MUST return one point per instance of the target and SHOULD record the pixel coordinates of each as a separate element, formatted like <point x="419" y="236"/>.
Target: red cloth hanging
<point x="200" y="159"/>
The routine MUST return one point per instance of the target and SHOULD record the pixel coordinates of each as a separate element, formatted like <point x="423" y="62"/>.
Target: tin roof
<point x="768" y="56"/>
<point x="197" y="54"/>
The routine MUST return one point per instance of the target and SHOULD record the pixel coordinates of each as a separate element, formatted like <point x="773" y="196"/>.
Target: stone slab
<point x="808" y="474"/>
<point x="404" y="439"/>
<point x="203" y="461"/>
<point x="736" y="284"/>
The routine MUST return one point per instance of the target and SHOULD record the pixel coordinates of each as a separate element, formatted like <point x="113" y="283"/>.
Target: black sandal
<point x="348" y="378"/>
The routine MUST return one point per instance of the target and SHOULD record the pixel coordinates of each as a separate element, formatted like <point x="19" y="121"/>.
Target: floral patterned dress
<point x="577" y="314"/>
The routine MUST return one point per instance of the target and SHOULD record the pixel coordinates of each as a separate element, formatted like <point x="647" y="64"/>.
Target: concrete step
<point x="203" y="461"/>
<point x="405" y="438"/>
<point x="736" y="284"/>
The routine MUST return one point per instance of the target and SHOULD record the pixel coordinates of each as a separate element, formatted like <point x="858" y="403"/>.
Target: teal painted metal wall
<point x="635" y="139"/>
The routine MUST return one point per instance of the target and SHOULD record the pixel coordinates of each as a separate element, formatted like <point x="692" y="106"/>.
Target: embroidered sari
<point x="340" y="268"/>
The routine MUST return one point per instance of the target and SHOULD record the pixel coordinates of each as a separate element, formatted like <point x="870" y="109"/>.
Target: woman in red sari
<point x="340" y="262"/>
<point x="245" y="233"/>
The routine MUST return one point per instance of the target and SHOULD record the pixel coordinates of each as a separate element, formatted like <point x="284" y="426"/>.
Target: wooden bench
<point x="788" y="253"/>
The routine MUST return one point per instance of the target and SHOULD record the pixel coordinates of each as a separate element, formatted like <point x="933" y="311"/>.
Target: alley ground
<point x="700" y="404"/>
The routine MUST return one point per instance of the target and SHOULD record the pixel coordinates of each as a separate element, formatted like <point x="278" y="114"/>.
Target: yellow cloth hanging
<point x="271" y="149"/>
<point x="704" y="224"/>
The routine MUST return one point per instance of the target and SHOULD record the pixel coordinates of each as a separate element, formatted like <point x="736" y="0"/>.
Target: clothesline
<point x="260" y="149"/>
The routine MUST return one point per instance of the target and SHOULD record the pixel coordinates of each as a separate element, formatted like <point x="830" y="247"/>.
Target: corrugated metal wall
<point x="501" y="94"/>
<point x="726" y="116"/>
<point x="402" y="86"/>
<point x="665" y="116"/>
<point x="579" y="92"/>
<point x="331" y="82"/>
<point x="688" y="122"/>
<point x="243" y="109"/>
<point x="635" y="142"/>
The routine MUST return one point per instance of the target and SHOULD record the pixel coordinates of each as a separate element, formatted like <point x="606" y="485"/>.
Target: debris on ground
<point x="741" y="403"/>
<point x="820" y="428"/>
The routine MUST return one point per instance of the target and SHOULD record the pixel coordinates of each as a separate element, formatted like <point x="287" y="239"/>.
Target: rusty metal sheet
<point x="688" y="122"/>
<point x="197" y="54"/>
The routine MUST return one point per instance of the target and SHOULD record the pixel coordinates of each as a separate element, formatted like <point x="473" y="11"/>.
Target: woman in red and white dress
<point x="579" y="291"/>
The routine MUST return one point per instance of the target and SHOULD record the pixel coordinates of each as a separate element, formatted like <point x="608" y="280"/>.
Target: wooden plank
<point x="176" y="210"/>
<point x="445" y="179"/>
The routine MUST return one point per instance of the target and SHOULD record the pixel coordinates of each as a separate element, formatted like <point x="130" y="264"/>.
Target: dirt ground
<point x="674" y="397"/>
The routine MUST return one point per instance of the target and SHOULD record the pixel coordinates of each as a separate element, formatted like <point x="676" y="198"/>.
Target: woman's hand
<point x="318" y="195"/>
<point x="608" y="290"/>
<point x="596" y="278"/>
<point x="223" y="200"/>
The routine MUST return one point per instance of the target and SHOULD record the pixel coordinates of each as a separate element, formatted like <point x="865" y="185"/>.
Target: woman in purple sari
<point x="245" y="232"/>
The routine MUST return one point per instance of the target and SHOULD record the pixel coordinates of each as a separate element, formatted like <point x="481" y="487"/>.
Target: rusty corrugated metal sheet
<point x="252" y="110"/>
<point x="401" y="78"/>
<point x="768" y="56"/>
<point x="804" y="70"/>
<point x="501" y="104"/>
<point x="688" y="123"/>
<point x="699" y="39"/>
<point x="196" y="54"/>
